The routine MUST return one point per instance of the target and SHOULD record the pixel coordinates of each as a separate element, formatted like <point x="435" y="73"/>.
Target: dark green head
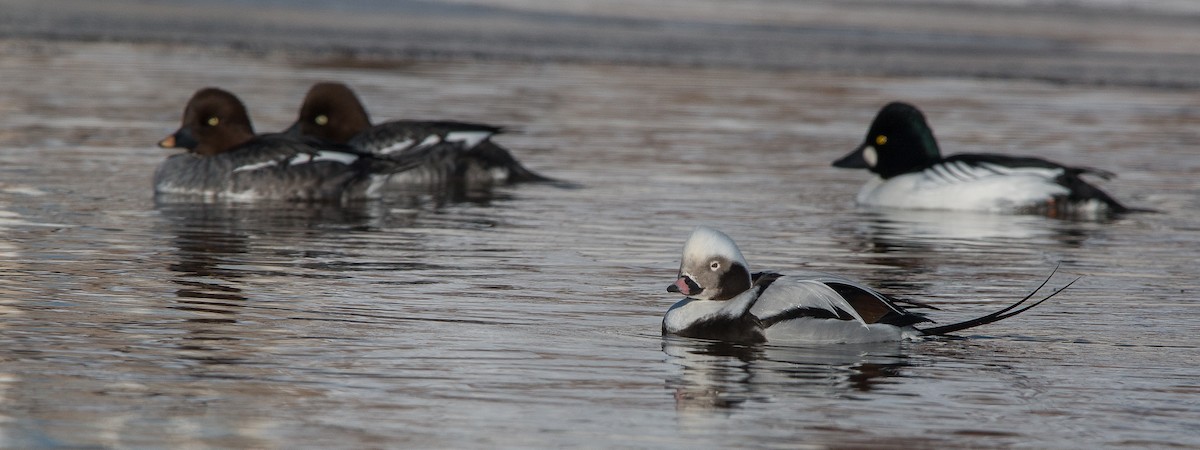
<point x="898" y="142"/>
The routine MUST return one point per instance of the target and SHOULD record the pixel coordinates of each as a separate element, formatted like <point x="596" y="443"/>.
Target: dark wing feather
<point x="395" y="137"/>
<point x="876" y="307"/>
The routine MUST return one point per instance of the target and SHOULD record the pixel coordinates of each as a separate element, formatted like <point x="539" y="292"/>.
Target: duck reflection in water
<point x="207" y="285"/>
<point x="719" y="376"/>
<point x="905" y="245"/>
<point x="900" y="230"/>
<point x="219" y="246"/>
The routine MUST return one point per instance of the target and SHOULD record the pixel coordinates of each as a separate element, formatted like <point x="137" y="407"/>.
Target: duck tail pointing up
<point x="1002" y="314"/>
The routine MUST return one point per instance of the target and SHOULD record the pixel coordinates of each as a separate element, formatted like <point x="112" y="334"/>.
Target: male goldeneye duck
<point x="912" y="174"/>
<point x="226" y="160"/>
<point x="333" y="113"/>
<point x="726" y="301"/>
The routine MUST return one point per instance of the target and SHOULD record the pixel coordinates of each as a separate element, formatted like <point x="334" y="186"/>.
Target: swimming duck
<point x="333" y="113"/>
<point x="912" y="174"/>
<point x="726" y="301"/>
<point x="226" y="160"/>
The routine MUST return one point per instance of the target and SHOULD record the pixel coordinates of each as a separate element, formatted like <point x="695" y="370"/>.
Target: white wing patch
<point x="396" y="147"/>
<point x="340" y="157"/>
<point x="429" y="141"/>
<point x="208" y="194"/>
<point x="255" y="166"/>
<point x="958" y="172"/>
<point x="469" y="138"/>
<point x="825" y="331"/>
<point x="962" y="172"/>
<point x="1045" y="172"/>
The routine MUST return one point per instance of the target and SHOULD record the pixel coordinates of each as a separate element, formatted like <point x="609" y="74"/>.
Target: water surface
<point x="530" y="317"/>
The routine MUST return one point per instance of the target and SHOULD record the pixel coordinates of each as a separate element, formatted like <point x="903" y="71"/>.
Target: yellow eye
<point x="321" y="120"/>
<point x="213" y="121"/>
<point x="880" y="140"/>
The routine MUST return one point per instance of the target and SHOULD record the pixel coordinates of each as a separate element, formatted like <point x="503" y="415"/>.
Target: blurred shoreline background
<point x="1099" y="42"/>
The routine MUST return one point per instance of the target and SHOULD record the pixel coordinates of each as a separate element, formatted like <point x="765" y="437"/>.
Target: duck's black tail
<point x="1082" y="191"/>
<point x="493" y="155"/>
<point x="1002" y="314"/>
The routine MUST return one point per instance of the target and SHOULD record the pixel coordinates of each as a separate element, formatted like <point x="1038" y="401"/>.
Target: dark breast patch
<point x="745" y="329"/>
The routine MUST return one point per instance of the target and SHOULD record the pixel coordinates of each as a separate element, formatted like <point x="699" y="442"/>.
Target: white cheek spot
<point x="870" y="156"/>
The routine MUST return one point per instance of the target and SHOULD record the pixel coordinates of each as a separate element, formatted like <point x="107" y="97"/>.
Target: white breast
<point x="689" y="311"/>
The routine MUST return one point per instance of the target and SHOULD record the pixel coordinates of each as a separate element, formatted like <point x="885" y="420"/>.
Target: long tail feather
<point x="998" y="315"/>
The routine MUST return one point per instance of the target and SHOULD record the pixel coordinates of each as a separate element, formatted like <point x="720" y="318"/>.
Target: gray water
<point x="530" y="317"/>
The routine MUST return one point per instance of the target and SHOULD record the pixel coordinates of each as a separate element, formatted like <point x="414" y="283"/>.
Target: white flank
<point x="243" y="196"/>
<point x="963" y="187"/>
<point x="469" y="138"/>
<point x="208" y="194"/>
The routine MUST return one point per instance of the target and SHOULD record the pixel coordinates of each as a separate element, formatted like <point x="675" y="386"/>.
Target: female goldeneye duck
<point x="912" y="174"/>
<point x="726" y="301"/>
<point x="333" y="113"/>
<point x="226" y="160"/>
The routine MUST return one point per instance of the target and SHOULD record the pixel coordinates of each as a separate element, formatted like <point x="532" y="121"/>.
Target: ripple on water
<point x="530" y="317"/>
